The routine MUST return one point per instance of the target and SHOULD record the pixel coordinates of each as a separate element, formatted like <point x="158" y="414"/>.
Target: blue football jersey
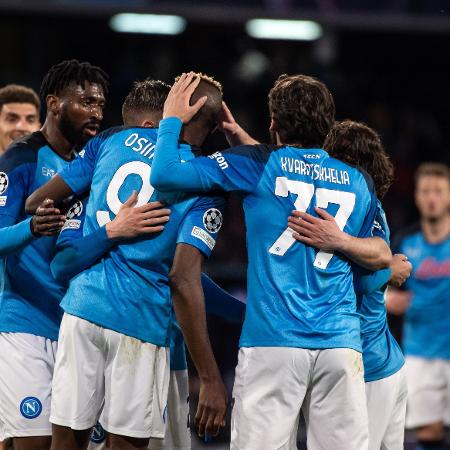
<point x="29" y="301"/>
<point x="127" y="290"/>
<point x="382" y="355"/>
<point x="426" y="330"/>
<point x="297" y="296"/>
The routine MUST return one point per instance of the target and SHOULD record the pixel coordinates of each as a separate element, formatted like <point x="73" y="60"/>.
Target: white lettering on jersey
<point x="47" y="172"/>
<point x="204" y="237"/>
<point x="293" y="165"/>
<point x="71" y="224"/>
<point x="220" y="160"/>
<point x="141" y="145"/>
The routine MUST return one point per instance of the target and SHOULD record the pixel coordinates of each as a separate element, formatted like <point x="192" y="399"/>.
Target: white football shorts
<point x="428" y="391"/>
<point x="272" y="386"/>
<point x="26" y="367"/>
<point x="386" y="407"/>
<point x="97" y="367"/>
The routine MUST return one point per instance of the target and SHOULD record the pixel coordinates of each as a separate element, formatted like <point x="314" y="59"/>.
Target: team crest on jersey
<point x="212" y="220"/>
<point x="30" y="407"/>
<point x="98" y="434"/>
<point x="4" y="181"/>
<point x="75" y="210"/>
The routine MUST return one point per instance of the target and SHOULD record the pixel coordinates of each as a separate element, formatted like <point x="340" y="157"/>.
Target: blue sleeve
<point x="16" y="174"/>
<point x="236" y="169"/>
<point x="364" y="280"/>
<point x="202" y="223"/>
<point x="78" y="174"/>
<point x="15" y="237"/>
<point x="75" y="252"/>
<point x="220" y="302"/>
<point x="375" y="223"/>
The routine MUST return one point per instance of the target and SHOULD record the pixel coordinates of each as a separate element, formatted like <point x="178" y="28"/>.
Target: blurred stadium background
<point x="386" y="62"/>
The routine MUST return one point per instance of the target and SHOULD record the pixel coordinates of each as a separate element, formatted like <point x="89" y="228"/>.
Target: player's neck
<point x="193" y="136"/>
<point x="436" y="231"/>
<point x="56" y="139"/>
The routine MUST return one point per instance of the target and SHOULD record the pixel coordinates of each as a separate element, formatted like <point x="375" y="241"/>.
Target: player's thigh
<point x="269" y="388"/>
<point x="426" y="392"/>
<point x="394" y="435"/>
<point x="26" y="366"/>
<point x="78" y="382"/>
<point x="335" y="407"/>
<point x="178" y="433"/>
<point x="137" y="379"/>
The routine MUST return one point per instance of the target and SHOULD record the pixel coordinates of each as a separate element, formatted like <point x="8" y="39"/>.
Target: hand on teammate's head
<point x="177" y="102"/>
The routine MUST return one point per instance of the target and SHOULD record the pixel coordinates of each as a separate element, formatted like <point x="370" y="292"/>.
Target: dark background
<point x="386" y="63"/>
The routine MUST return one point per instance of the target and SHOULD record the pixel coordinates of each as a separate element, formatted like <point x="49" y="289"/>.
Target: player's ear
<point x="148" y="124"/>
<point x="273" y="126"/>
<point x="52" y="102"/>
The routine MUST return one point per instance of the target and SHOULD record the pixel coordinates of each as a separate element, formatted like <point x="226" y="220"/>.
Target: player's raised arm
<point x="188" y="301"/>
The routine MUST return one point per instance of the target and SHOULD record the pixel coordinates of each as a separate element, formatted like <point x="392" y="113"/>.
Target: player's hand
<point x="397" y="302"/>
<point x="321" y="232"/>
<point x="234" y="133"/>
<point x="131" y="221"/>
<point x="212" y="407"/>
<point x="177" y="102"/>
<point x="401" y="270"/>
<point x="47" y="220"/>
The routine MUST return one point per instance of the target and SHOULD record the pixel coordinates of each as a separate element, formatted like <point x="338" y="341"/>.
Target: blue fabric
<point x="320" y="310"/>
<point x="30" y="297"/>
<point x="15" y="237"/>
<point x="221" y="303"/>
<point x="426" y="331"/>
<point x="116" y="163"/>
<point x="382" y="356"/>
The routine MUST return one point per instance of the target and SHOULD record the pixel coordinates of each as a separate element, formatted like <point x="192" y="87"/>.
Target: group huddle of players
<point x="103" y="236"/>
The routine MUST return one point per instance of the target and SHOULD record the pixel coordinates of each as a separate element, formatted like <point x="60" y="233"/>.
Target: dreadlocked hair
<point x="62" y="74"/>
<point x="357" y="144"/>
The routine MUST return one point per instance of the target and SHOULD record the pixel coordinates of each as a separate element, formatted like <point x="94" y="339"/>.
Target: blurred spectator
<point x="19" y="113"/>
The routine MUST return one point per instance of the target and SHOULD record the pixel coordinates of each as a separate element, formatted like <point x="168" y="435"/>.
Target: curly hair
<point x="145" y="96"/>
<point x="357" y="144"/>
<point x="303" y="110"/>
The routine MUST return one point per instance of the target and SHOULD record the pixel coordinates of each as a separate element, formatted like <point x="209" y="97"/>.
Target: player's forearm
<point x="371" y="253"/>
<point x="220" y="302"/>
<point x="187" y="296"/>
<point x="56" y="189"/>
<point x="76" y="255"/>
<point x="168" y="172"/>
<point x="15" y="237"/>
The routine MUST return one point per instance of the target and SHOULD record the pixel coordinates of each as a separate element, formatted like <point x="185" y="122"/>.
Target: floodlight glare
<point x="147" y="23"/>
<point x="298" y="30"/>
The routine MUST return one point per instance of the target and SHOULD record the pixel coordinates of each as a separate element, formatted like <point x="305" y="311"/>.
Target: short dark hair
<point x="16" y="93"/>
<point x="62" y="74"/>
<point x="303" y="110"/>
<point x="357" y="144"/>
<point x="433" y="169"/>
<point x="145" y="96"/>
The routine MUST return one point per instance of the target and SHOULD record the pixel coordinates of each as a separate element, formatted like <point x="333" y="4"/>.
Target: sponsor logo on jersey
<point x="98" y="434"/>
<point x="75" y="210"/>
<point x="212" y="220"/>
<point x="47" y="172"/>
<point x="431" y="268"/>
<point x="203" y="236"/>
<point x="71" y="224"/>
<point x="220" y="160"/>
<point x="30" y="407"/>
<point x="4" y="182"/>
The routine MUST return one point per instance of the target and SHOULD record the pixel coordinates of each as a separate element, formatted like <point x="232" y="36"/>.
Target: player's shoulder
<point x="110" y="133"/>
<point x="23" y="151"/>
<point x="256" y="152"/>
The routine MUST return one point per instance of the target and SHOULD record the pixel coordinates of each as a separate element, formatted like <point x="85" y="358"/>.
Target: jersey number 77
<point x="305" y="192"/>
